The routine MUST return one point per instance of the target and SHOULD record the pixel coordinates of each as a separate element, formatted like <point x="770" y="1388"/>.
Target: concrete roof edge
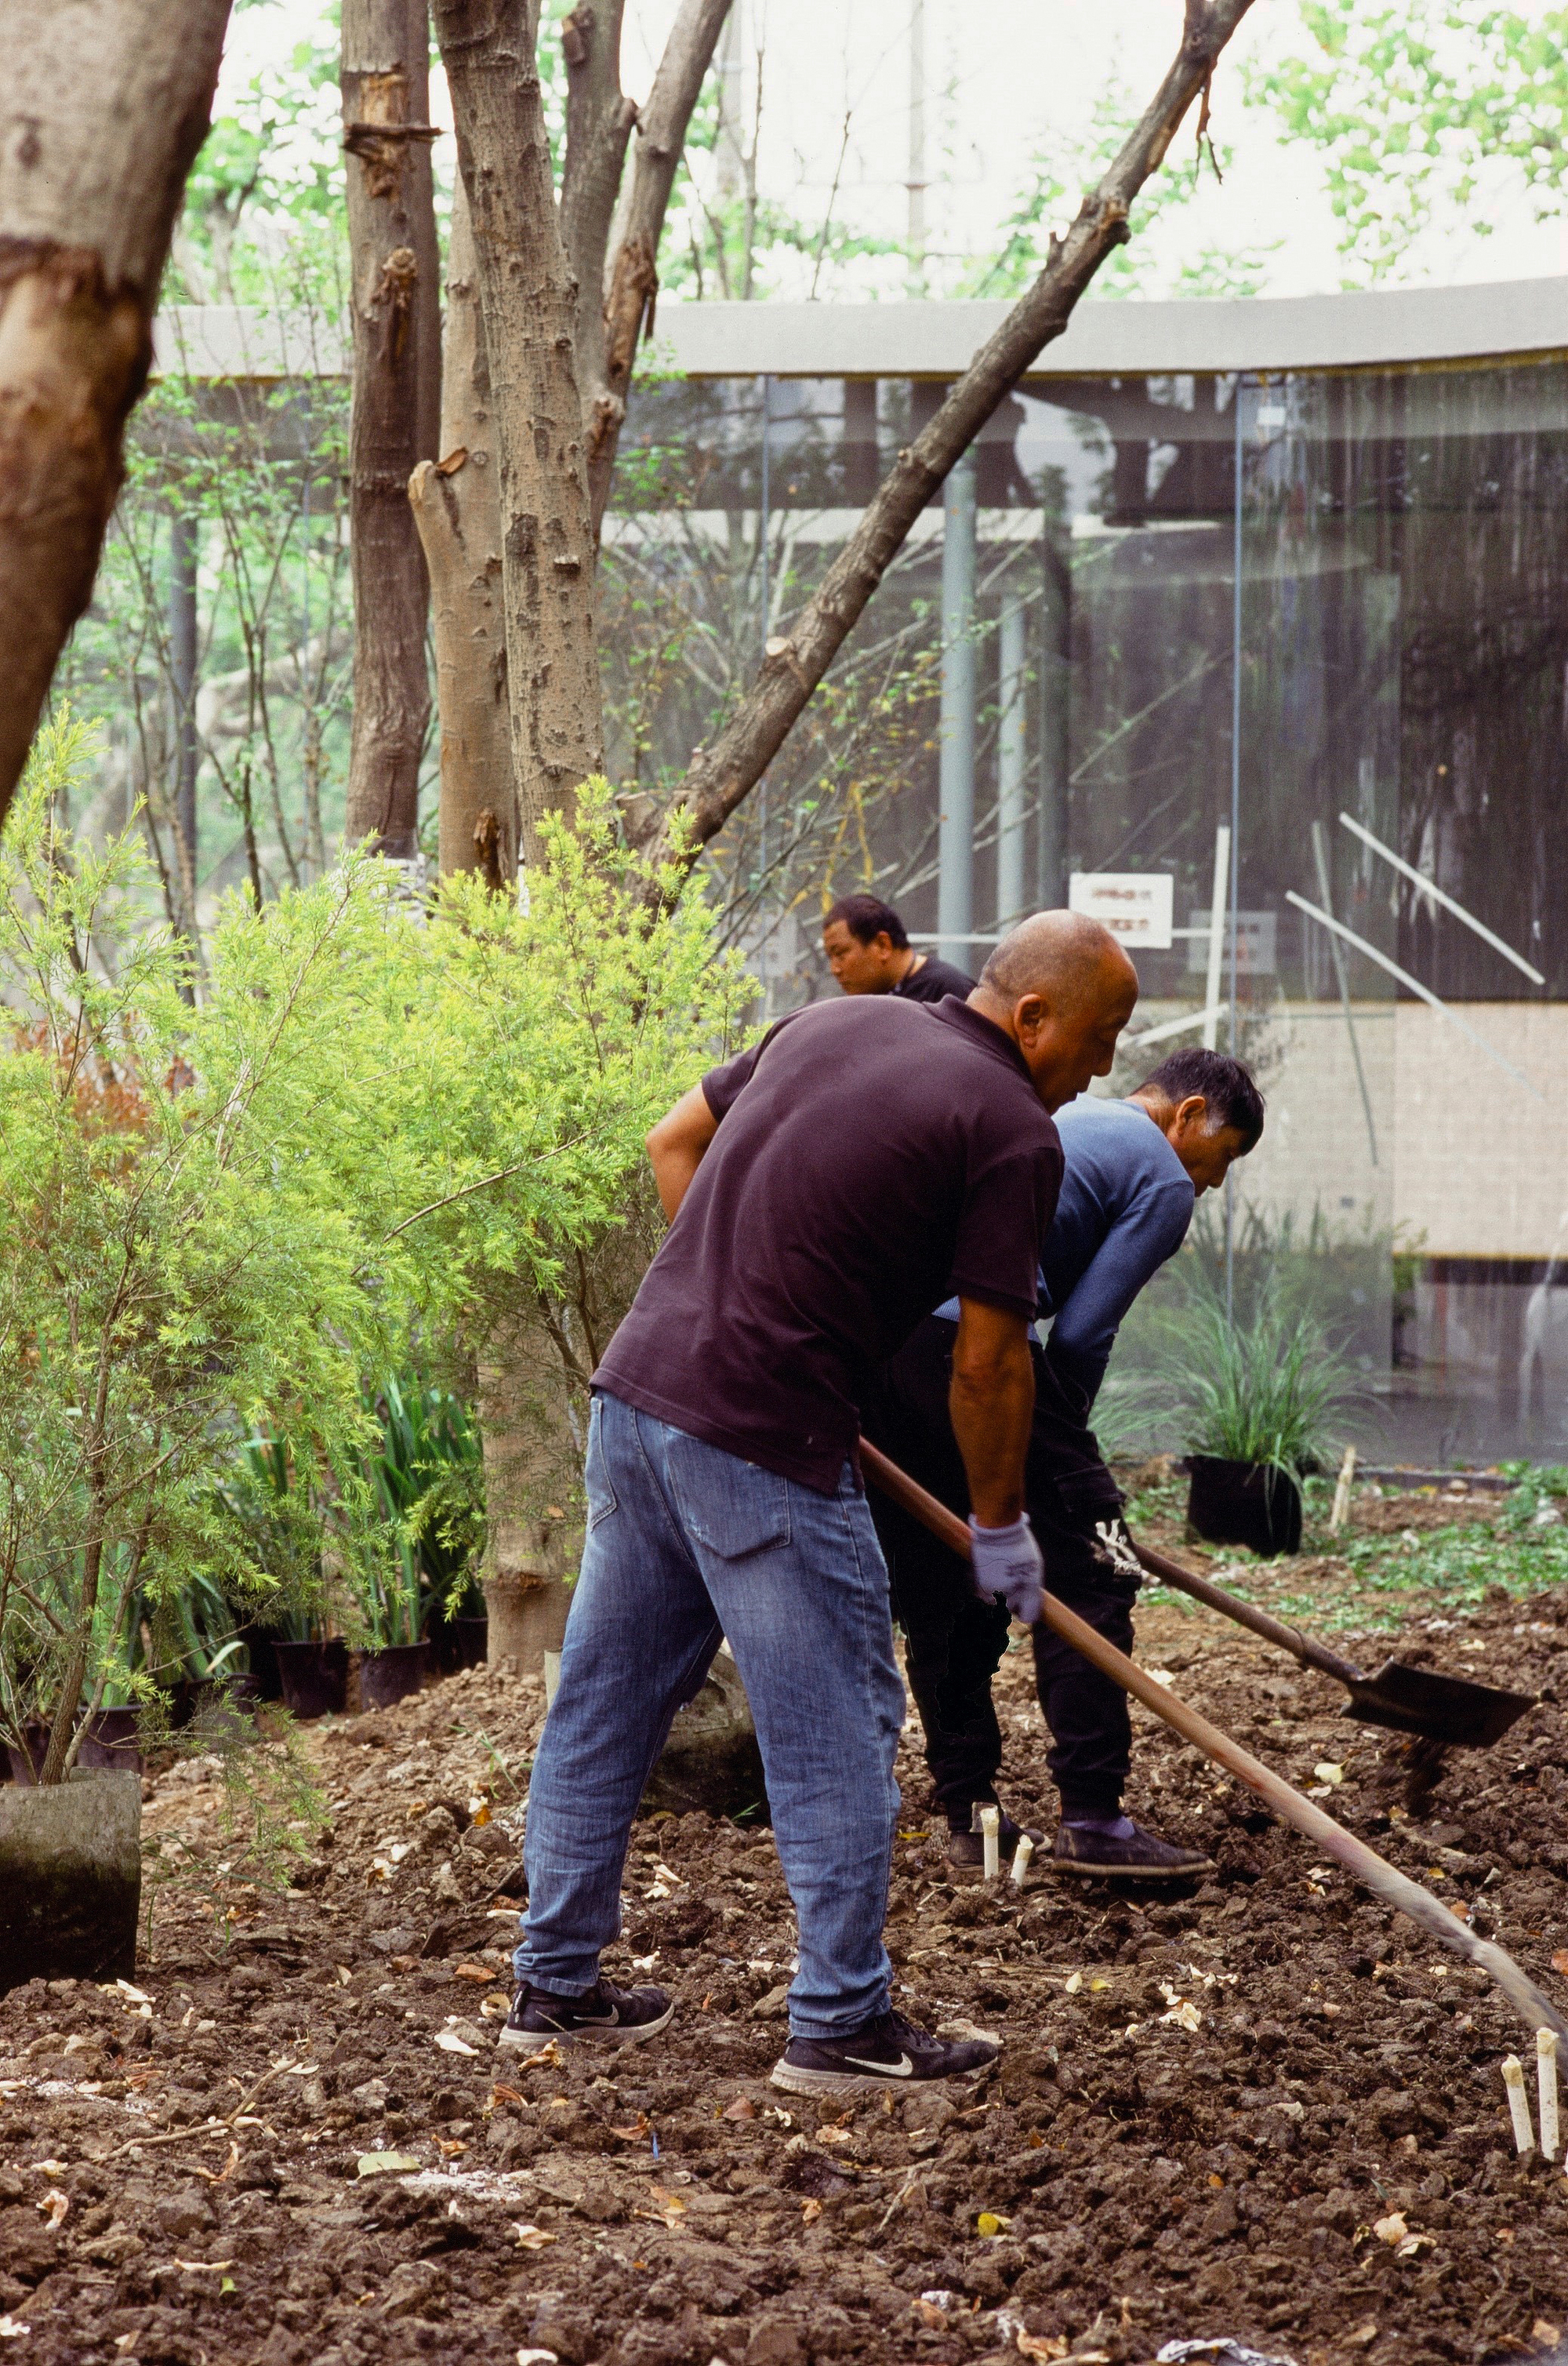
<point x="1382" y="327"/>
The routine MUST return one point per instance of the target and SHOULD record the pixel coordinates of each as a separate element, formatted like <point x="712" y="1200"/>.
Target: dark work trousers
<point x="954" y="1643"/>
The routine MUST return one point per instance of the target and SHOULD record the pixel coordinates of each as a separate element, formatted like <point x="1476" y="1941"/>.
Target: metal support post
<point x="1012" y="808"/>
<point x="955" y="844"/>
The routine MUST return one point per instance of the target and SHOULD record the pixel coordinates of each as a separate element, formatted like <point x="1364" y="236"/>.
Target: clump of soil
<point x="1265" y="2108"/>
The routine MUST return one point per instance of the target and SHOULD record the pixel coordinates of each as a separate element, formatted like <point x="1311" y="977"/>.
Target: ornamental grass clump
<point x="1265" y="1390"/>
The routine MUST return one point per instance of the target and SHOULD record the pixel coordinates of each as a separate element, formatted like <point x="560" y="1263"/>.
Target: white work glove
<point x="1007" y="1567"/>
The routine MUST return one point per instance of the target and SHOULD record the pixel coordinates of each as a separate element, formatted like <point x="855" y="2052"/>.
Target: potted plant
<point x="163" y="1269"/>
<point x="1256" y="1396"/>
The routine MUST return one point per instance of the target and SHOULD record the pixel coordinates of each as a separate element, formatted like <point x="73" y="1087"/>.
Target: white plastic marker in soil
<point x="1021" y="1855"/>
<point x="1546" y="2075"/>
<point x="1519" y="2103"/>
<point x="991" y="1834"/>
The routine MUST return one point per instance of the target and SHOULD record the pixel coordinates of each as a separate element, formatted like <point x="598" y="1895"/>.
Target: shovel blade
<point x="1417" y="1700"/>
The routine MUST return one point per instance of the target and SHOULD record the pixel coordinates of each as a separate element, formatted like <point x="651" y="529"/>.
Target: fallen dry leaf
<point x="1560" y="1961"/>
<point x="450" y="2044"/>
<point x="1042" y="2344"/>
<point x="55" y="2205"/>
<point x="809" y="2212"/>
<point x="532" y="2239"/>
<point x="1363" y="2335"/>
<point x="500" y="2094"/>
<point x="1392" y="2229"/>
<point x="1546" y="2333"/>
<point x="634" y="2132"/>
<point x="480" y="1972"/>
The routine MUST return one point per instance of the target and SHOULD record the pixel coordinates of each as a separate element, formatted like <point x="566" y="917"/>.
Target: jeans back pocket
<point x="730" y="1507"/>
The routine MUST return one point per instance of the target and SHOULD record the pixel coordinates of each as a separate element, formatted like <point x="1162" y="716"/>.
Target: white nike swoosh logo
<point x="902" y="2068"/>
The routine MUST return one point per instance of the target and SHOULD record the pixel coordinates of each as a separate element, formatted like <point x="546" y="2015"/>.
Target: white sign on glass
<point x="1136" y="906"/>
<point x="1257" y="945"/>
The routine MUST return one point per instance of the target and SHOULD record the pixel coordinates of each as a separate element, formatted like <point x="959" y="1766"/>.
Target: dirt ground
<point x="1263" y="2108"/>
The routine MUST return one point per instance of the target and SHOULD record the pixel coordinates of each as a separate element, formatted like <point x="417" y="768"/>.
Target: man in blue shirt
<point x="1134" y="1171"/>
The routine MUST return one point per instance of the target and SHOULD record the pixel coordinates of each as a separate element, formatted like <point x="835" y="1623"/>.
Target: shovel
<point x="1396" y="1888"/>
<point x="1447" y="1711"/>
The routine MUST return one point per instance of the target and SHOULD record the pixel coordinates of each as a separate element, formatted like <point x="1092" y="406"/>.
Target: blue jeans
<point x="687" y="1544"/>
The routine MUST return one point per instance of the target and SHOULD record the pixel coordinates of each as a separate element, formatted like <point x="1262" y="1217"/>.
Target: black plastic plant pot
<point x="314" y="1676"/>
<point x="112" y="1742"/>
<point x="1250" y="1503"/>
<point x="70" y="1878"/>
<point x="25" y="1763"/>
<point x="458" y="1642"/>
<point x="391" y="1674"/>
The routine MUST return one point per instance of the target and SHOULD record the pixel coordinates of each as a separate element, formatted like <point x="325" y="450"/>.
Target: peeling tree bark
<point x="719" y="778"/>
<point x="107" y="104"/>
<point x="457" y="511"/>
<point x="395" y="307"/>
<point x="529" y="299"/>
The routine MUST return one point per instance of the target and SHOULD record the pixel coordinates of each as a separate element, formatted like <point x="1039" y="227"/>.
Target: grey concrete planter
<point x="70" y="1878"/>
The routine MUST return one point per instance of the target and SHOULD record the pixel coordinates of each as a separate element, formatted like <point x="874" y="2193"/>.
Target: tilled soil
<point x="1264" y="2108"/>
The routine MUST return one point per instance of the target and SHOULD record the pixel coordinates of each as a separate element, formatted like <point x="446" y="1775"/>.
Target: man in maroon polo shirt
<point x="826" y="1189"/>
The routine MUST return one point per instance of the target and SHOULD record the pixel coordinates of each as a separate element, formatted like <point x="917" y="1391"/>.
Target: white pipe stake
<point x="1021" y="1855"/>
<point x="991" y="1834"/>
<point x="1546" y="2074"/>
<point x="1519" y="2103"/>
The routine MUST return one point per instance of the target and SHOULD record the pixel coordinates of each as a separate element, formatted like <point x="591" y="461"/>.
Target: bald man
<point x="865" y="1160"/>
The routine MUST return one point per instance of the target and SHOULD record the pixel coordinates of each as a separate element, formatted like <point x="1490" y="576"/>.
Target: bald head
<point x="1064" y="957"/>
<point x="1062" y="987"/>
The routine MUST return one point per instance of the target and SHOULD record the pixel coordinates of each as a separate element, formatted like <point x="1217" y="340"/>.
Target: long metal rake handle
<point x="1396" y="1888"/>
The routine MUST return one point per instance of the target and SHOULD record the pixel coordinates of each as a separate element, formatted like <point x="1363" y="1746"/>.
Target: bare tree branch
<point x="719" y="778"/>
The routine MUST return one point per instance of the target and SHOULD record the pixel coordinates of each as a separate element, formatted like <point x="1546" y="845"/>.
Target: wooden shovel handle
<point x="1310" y="1653"/>
<point x="1384" y="1879"/>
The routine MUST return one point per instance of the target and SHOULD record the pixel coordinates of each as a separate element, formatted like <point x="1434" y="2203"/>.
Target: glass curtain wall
<point x="1062" y="660"/>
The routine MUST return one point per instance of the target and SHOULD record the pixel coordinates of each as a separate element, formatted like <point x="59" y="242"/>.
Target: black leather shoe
<point x="605" y="2014"/>
<point x="1141" y="1856"/>
<point x="887" y="2052"/>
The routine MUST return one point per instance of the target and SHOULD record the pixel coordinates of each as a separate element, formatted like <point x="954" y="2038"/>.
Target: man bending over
<point x="1133" y="1170"/>
<point x="825" y="1189"/>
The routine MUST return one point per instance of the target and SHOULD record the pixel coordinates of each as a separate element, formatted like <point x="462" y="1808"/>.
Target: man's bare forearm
<point x="991" y="1403"/>
<point x="675" y="1147"/>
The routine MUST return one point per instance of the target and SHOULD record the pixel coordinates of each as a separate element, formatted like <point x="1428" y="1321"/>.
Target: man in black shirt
<point x="869" y="952"/>
<point x="825" y="1189"/>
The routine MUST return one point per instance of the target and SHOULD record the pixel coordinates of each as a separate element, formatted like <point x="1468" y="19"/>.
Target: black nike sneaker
<point x="887" y="2052"/>
<point x="606" y="2014"/>
<point x="1139" y="1856"/>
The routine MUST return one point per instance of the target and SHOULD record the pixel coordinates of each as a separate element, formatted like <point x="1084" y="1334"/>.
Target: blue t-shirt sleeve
<point x="1131" y="1254"/>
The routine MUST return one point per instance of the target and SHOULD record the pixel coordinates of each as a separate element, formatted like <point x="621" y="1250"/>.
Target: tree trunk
<point x="607" y="348"/>
<point x="458" y="515"/>
<point x="395" y="302"/>
<point x="720" y="777"/>
<point x="531" y="1460"/>
<point x="530" y="307"/>
<point x="107" y="104"/>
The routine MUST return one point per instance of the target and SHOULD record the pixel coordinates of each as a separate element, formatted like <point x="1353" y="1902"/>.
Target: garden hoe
<point x="1396" y="1888"/>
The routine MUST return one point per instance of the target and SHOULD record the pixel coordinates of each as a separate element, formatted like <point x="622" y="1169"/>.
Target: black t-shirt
<point x="872" y="1157"/>
<point x="932" y="982"/>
